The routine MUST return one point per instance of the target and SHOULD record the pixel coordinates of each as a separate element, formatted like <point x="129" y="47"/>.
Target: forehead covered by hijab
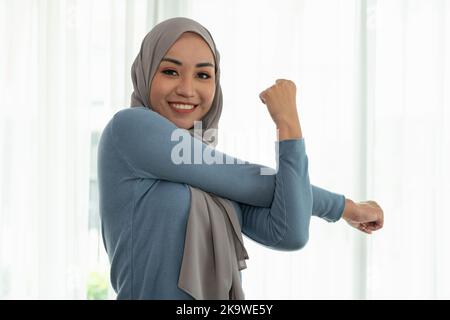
<point x="154" y="46"/>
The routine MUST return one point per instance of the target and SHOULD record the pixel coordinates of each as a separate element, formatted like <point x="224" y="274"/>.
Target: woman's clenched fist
<point x="280" y="100"/>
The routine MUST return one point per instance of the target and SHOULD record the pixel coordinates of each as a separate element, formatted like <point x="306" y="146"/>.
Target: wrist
<point x="289" y="129"/>
<point x="349" y="209"/>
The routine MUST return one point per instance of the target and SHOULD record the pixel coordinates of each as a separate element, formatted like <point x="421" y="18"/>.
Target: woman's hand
<point x="280" y="100"/>
<point x="366" y="216"/>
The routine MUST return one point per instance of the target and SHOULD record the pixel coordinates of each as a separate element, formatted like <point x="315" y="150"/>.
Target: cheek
<point x="208" y="94"/>
<point x="159" y="89"/>
<point x="153" y="97"/>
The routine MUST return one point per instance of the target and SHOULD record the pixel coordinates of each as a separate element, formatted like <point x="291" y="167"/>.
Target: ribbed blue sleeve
<point x="327" y="205"/>
<point x="285" y="225"/>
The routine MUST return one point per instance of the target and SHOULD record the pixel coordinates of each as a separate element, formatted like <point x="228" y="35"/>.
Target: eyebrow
<point x="198" y="65"/>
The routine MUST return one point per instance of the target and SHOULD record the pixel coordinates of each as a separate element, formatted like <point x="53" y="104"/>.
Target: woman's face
<point x="183" y="87"/>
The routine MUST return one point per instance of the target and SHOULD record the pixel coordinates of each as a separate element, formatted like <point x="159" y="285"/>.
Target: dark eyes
<point x="201" y="74"/>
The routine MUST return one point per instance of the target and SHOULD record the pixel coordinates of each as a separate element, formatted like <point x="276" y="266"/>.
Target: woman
<point x="173" y="229"/>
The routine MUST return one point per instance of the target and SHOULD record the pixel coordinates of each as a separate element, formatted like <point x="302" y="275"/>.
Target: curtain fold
<point x="45" y="164"/>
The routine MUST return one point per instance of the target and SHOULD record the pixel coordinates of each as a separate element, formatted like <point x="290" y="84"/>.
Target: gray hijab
<point x="214" y="251"/>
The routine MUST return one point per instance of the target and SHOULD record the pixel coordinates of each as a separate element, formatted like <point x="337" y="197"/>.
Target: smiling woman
<point x="173" y="230"/>
<point x="183" y="88"/>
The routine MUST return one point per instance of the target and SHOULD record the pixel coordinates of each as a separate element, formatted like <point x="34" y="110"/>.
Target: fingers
<point x="278" y="82"/>
<point x="261" y="96"/>
<point x="287" y="82"/>
<point x="378" y="224"/>
<point x="372" y="226"/>
<point x="364" y="228"/>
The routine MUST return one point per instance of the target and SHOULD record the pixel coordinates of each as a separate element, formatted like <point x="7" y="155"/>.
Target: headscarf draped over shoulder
<point x="214" y="251"/>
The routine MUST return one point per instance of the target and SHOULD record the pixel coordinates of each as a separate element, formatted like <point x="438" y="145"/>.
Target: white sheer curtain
<point x="409" y="153"/>
<point x="64" y="72"/>
<point x="44" y="146"/>
<point x="373" y="86"/>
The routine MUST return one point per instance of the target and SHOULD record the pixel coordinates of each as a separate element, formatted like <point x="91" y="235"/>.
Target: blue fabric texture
<point x="145" y="201"/>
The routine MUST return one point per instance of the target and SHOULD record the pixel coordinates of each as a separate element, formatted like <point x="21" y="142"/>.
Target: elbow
<point x="300" y="242"/>
<point x="298" y="235"/>
<point x="293" y="244"/>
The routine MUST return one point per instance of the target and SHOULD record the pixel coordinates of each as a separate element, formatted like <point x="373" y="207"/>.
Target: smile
<point x="183" y="108"/>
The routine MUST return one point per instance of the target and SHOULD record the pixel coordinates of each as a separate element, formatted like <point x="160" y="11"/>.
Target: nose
<point x="185" y="87"/>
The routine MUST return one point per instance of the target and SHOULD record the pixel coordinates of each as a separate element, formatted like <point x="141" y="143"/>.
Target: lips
<point x="181" y="107"/>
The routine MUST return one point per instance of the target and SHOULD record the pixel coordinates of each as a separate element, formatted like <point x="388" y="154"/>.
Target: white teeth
<point x="182" y="106"/>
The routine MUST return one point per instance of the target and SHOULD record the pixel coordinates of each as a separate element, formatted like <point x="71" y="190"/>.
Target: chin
<point x="185" y="125"/>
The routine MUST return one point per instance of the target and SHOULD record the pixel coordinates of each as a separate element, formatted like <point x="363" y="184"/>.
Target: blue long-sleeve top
<point x="145" y="200"/>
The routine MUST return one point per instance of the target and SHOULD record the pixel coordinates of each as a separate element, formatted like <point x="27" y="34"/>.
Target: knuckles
<point x="285" y="82"/>
<point x="280" y="84"/>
